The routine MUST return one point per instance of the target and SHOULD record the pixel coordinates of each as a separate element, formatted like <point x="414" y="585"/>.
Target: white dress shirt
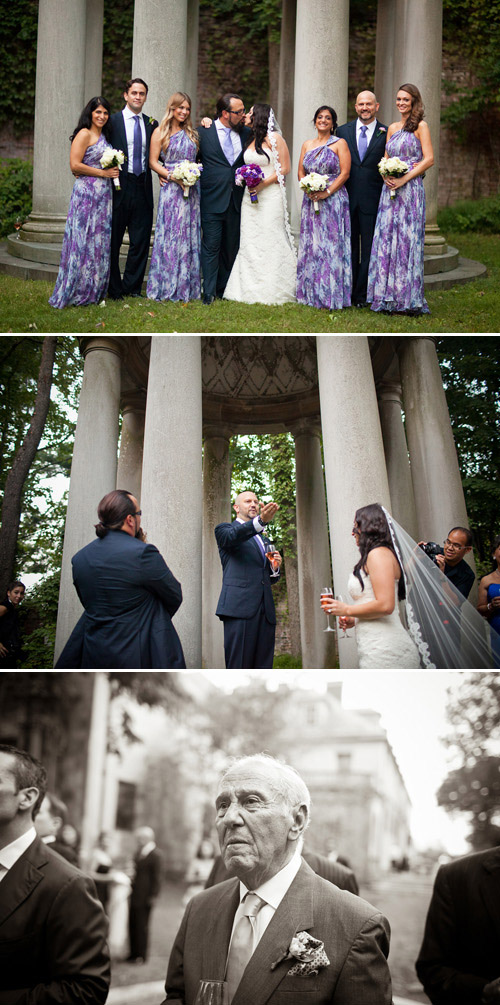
<point x="129" y="119"/>
<point x="145" y="850"/>
<point x="235" y="138"/>
<point x="272" y="892"/>
<point x="370" y="129"/>
<point x="13" y="851"/>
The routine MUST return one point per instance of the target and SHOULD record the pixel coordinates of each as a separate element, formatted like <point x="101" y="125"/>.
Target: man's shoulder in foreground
<point x="488" y="859"/>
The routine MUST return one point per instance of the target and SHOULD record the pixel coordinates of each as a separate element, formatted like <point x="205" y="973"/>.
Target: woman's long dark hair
<point x="327" y="108"/>
<point x="374" y="532"/>
<point x="259" y="126"/>
<point x="417" y="108"/>
<point x="85" y="120"/>
<point x="494" y="545"/>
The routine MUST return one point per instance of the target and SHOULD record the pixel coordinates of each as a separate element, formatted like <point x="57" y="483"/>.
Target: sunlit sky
<point x="412" y="705"/>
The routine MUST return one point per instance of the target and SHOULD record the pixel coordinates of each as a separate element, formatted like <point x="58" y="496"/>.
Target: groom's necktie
<point x="137" y="158"/>
<point x="242" y="943"/>
<point x="227" y="145"/>
<point x="363" y="142"/>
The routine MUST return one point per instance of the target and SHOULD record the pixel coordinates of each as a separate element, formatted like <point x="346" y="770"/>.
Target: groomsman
<point x="366" y="139"/>
<point x="131" y="131"/>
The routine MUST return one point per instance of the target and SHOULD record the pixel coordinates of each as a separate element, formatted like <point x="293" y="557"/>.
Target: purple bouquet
<point x="250" y="175"/>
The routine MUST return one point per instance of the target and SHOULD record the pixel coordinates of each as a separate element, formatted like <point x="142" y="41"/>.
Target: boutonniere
<point x="151" y="120"/>
<point x="309" y="954"/>
<point x="381" y="129"/>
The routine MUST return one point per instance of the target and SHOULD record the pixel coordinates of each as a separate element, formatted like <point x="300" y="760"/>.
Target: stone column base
<point x="434" y="241"/>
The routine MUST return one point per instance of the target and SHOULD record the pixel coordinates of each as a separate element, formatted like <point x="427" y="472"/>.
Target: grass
<point x="474" y="307"/>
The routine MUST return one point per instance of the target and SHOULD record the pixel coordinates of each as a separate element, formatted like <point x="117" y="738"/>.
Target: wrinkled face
<point x="100" y="116"/>
<point x="404" y="102"/>
<point x="182" y="112"/>
<point x="247" y="506"/>
<point x="366" y="107"/>
<point x="455" y="547"/>
<point x="16" y="595"/>
<point x="254" y="823"/>
<point x="136" y="98"/>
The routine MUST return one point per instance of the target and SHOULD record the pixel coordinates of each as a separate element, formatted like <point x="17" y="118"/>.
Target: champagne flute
<point x="270" y="552"/>
<point x="212" y="993"/>
<point x="326" y="592"/>
<point x="345" y="633"/>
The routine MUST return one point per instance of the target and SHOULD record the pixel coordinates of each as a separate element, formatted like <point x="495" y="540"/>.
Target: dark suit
<point x="145" y="889"/>
<point x="460" y="952"/>
<point x="132" y="209"/>
<point x="322" y="866"/>
<point x="52" y="933"/>
<point x="355" y="935"/>
<point x="220" y="210"/>
<point x="246" y="604"/>
<point x="130" y="597"/>
<point x="364" y="186"/>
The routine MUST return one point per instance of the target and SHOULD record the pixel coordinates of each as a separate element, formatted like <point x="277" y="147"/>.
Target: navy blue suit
<point x="130" y="597"/>
<point x="132" y="208"/>
<point x="364" y="186"/>
<point x="246" y="604"/>
<point x="220" y="210"/>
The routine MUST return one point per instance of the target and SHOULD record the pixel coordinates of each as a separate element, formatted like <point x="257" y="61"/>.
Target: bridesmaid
<point x="324" y="265"/>
<point x="396" y="271"/>
<point x="174" y="272"/>
<point x="84" y="269"/>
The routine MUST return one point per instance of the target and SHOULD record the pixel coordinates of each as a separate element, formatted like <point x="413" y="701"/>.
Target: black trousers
<point x="249" y="642"/>
<point x="134" y="213"/>
<point x="220" y="240"/>
<point x="362" y="231"/>
<point x="138" y="926"/>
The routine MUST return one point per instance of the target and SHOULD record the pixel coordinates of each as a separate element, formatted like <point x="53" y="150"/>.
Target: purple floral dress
<point x="84" y="268"/>
<point x="396" y="271"/>
<point x="324" y="266"/>
<point x="174" y="272"/>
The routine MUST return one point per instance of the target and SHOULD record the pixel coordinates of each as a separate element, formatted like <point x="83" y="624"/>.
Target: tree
<point x="247" y="721"/>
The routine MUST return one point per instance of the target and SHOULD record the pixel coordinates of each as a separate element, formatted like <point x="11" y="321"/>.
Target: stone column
<point x="159" y="50"/>
<point x="93" y="470"/>
<point x="318" y="647"/>
<point x="59" y="99"/>
<point x="129" y="474"/>
<point x="216" y="509"/>
<point x="384" y="60"/>
<point x="418" y="57"/>
<point x="396" y="455"/>
<point x="171" y="497"/>
<point x="93" y="49"/>
<point x="191" y="76"/>
<point x="96" y="766"/>
<point x="355" y="468"/>
<point x="321" y="65"/>
<point x="286" y="81"/>
<point x="437" y="484"/>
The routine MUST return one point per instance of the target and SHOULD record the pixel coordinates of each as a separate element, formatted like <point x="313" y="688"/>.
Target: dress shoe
<point x="207" y="301"/>
<point x="361" y="303"/>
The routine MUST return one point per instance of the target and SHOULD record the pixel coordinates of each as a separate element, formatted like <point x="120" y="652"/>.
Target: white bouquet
<point x="113" y="158"/>
<point x="187" y="172"/>
<point x="314" y="182"/>
<point x="392" y="167"/>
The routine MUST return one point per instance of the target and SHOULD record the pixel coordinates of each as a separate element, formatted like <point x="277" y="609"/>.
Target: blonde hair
<point x="166" y="123"/>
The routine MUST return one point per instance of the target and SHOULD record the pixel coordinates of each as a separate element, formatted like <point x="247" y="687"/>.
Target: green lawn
<point x="474" y="307"/>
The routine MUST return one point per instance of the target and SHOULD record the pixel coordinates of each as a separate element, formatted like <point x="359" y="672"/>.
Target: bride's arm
<point x="380" y="565"/>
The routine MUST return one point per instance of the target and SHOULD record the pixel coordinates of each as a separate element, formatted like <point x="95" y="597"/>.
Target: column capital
<point x="105" y="343"/>
<point x="217" y="431"/>
<point x="133" y="401"/>
<point x="389" y="390"/>
<point x="305" y="427"/>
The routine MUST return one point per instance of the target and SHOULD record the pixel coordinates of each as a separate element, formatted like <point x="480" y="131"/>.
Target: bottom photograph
<point x="250" y="837"/>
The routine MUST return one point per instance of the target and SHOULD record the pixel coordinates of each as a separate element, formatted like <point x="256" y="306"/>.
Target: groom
<point x="221" y="153"/>
<point x="366" y="139"/>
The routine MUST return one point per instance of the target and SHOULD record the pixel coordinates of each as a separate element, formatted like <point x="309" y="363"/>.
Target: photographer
<point x="10" y="640"/>
<point x="450" y="559"/>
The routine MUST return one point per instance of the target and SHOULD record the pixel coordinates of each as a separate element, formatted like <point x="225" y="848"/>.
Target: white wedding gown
<point x="383" y="643"/>
<point x="265" y="268"/>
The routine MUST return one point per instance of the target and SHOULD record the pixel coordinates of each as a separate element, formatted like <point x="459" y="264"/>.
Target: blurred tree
<point x="246" y="722"/>
<point x="475" y="790"/>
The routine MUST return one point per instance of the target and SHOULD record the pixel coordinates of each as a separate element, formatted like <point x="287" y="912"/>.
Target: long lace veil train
<point x="272" y="129"/>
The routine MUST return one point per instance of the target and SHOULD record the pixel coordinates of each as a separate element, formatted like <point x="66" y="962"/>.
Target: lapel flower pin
<point x="309" y="954"/>
<point x="382" y="129"/>
<point x="151" y="120"/>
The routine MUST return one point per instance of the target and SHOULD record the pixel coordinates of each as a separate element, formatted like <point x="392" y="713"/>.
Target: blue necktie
<point x="137" y="159"/>
<point x="363" y="142"/>
<point x="227" y="146"/>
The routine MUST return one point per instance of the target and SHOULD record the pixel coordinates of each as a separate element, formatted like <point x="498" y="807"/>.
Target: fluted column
<point x="171" y="496"/>
<point x="93" y="470"/>
<point x="93" y="49"/>
<point x="355" y="467"/>
<point x="396" y="455"/>
<point x="321" y="64"/>
<point x="314" y="570"/>
<point x="216" y="509"/>
<point x="437" y="483"/>
<point x="159" y="50"/>
<point x="129" y="474"/>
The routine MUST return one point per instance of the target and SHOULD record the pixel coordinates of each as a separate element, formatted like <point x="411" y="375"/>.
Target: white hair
<point x="292" y="787"/>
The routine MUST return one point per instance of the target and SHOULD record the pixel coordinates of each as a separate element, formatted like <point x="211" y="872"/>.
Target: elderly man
<point x="246" y="604"/>
<point x="276" y="931"/>
<point x="52" y="925"/>
<point x="145" y="889"/>
<point x="366" y="137"/>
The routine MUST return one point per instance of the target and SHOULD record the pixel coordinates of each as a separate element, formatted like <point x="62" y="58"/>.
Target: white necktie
<point x="242" y="943"/>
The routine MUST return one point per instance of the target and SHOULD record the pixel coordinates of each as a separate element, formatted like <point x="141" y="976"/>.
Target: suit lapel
<point x="295" y="914"/>
<point x="353" y="145"/>
<point x="375" y="137"/>
<point x="21" y="880"/>
<point x="216" y="943"/>
<point x="489" y="886"/>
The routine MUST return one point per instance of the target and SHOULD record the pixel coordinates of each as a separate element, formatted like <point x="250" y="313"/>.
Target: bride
<point x="265" y="268"/>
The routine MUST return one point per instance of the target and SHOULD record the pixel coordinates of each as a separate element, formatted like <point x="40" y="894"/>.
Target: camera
<point x="432" y="549"/>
